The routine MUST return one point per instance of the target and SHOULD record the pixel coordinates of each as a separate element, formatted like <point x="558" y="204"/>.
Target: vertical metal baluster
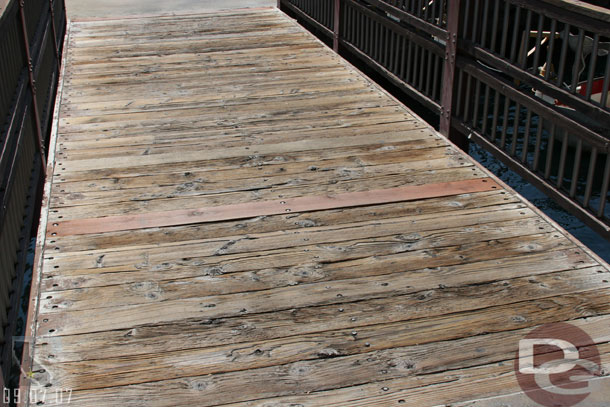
<point x="379" y="41"/>
<point x="366" y="37"/>
<point x="403" y="59"/>
<point x="337" y="25"/>
<point x="494" y="31"/>
<point x="386" y="45"/>
<point x="379" y="46"/>
<point x="410" y="63"/>
<point x="604" y="191"/>
<point x="54" y="31"/>
<point x="516" y="123"/>
<point x="576" y="169"/>
<point x="562" y="159"/>
<point x="496" y="113"/>
<point x="590" y="176"/>
<point x="551" y="49"/>
<point x="477" y="97"/>
<point x="361" y="33"/>
<point x="577" y="61"/>
<point x="475" y="20"/>
<point x="485" y="112"/>
<point x="429" y="74"/>
<point x="370" y="44"/>
<point x="606" y="86"/>
<point x="426" y="10"/>
<point x="464" y="26"/>
<point x="538" y="41"/>
<point x="467" y="101"/>
<point x="564" y="54"/>
<point x="458" y="105"/>
<point x="505" y="29"/>
<point x="353" y="28"/>
<point x="526" y="137"/>
<point x="392" y="50"/>
<point x="422" y="68"/>
<point x="395" y="56"/>
<point x="523" y="50"/>
<point x="538" y="143"/>
<point x="437" y="79"/>
<point x="514" y="42"/>
<point x="507" y="103"/>
<point x="484" y="28"/>
<point x="592" y="65"/>
<point x="549" y="154"/>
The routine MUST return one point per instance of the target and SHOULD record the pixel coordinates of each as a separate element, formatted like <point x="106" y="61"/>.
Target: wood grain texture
<point x="376" y="301"/>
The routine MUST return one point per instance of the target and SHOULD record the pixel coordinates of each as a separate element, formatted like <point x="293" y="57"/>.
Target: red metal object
<point x="597" y="90"/>
<point x="268" y="208"/>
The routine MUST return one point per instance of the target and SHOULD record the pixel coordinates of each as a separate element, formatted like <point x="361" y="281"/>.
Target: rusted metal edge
<point x="31" y="324"/>
<point x="267" y="208"/>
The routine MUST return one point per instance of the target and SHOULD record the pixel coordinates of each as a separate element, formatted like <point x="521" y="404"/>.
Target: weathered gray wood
<point x="418" y="303"/>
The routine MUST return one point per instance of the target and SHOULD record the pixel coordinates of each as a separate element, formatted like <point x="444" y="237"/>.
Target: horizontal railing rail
<point x="31" y="38"/>
<point x="527" y="80"/>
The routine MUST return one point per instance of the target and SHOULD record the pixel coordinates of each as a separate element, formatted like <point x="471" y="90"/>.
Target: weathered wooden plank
<point x="197" y="199"/>
<point x="306" y="295"/>
<point x="207" y="186"/>
<point x="367" y="154"/>
<point x="313" y="376"/>
<point x="172" y="102"/>
<point x="406" y="228"/>
<point x="377" y="305"/>
<point x="265" y="224"/>
<point x="467" y="318"/>
<point x="463" y="388"/>
<point x="375" y="257"/>
<point x="330" y="344"/>
<point x="253" y="58"/>
<point x="125" y="292"/>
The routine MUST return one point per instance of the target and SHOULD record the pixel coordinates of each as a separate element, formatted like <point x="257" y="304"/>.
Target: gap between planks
<point x="266" y="208"/>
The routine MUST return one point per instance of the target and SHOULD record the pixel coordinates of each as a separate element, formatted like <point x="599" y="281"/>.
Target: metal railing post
<point x="453" y="23"/>
<point x="337" y="25"/>
<point x="32" y="81"/>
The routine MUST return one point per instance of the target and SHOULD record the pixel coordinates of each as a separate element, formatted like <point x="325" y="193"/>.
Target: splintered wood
<point x="315" y="284"/>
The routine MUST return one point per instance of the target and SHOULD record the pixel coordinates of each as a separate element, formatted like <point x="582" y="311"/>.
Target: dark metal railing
<point x="31" y="40"/>
<point x="527" y="80"/>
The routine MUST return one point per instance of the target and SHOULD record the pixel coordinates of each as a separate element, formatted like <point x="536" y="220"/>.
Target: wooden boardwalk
<point x="238" y="217"/>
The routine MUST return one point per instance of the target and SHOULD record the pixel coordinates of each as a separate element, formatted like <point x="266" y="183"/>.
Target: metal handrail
<point x="29" y="31"/>
<point x="476" y="68"/>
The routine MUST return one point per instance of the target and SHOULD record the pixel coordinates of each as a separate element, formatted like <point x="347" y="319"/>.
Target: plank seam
<point x="268" y="208"/>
